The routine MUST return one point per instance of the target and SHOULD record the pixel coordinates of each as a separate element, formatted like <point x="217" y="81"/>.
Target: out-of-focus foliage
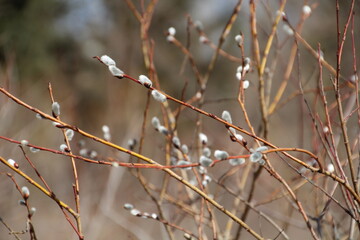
<point x="28" y="36"/>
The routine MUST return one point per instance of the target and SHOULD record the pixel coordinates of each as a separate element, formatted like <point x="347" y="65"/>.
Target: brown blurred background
<point x="54" y="41"/>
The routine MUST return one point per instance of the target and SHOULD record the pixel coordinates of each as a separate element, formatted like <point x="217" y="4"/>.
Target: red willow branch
<point x="227" y="125"/>
<point x="337" y="89"/>
<point x="51" y="195"/>
<point x="142" y="165"/>
<point x="29" y="226"/>
<point x="65" y="125"/>
<point x="76" y="186"/>
<point x="313" y="169"/>
<point x="146" y="159"/>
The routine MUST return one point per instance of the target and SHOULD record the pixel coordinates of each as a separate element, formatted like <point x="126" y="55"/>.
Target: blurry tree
<point x="28" y="36"/>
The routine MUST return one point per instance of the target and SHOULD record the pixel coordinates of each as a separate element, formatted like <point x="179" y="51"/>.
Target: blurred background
<point x="52" y="41"/>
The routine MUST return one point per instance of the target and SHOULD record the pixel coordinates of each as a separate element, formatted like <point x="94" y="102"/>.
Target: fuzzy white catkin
<point x="69" y="134"/>
<point x="55" y="124"/>
<point x="128" y="206"/>
<point x="107" y="60"/>
<point x="261" y="149"/>
<point x="262" y="162"/>
<point x="288" y="30"/>
<point x="25" y="191"/>
<point x="131" y="143"/>
<point x="353" y="78"/>
<point x="83" y="152"/>
<point x="236" y="161"/>
<point x="239" y="137"/>
<point x="246" y="84"/>
<point x="330" y="168"/>
<point x="155" y="122"/>
<point x="107" y="136"/>
<point x="306" y="9"/>
<point x="93" y="154"/>
<point x="170" y="38"/>
<point x="280" y="13"/>
<point x="226" y="116"/>
<point x="105" y="128"/>
<point x="203" y="138"/>
<point x="158" y="96"/>
<point x="63" y="147"/>
<point x="135" y="212"/>
<point x="187" y="236"/>
<point x="198" y="25"/>
<point x="146" y="215"/>
<point x="205" y="161"/>
<point x="144" y="80"/>
<point x="207" y="152"/>
<point x="198" y="95"/>
<point x="185" y="149"/>
<point x="326" y="129"/>
<point x="238" y="39"/>
<point x="232" y="131"/>
<point x="32" y="211"/>
<point x="203" y="39"/>
<point x="202" y="170"/>
<point x="183" y="162"/>
<point x="116" y="71"/>
<point x="247" y="67"/>
<point x="34" y="150"/>
<point x="221" y="155"/>
<point x="24" y="143"/>
<point x="11" y="162"/>
<point x="239" y="69"/>
<point x="207" y="179"/>
<point x="163" y="130"/>
<point x="238" y="76"/>
<point x="204" y="183"/>
<point x="176" y="141"/>
<point x="38" y="116"/>
<point x="56" y="108"/>
<point x="255" y="157"/>
<point x="172" y="31"/>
